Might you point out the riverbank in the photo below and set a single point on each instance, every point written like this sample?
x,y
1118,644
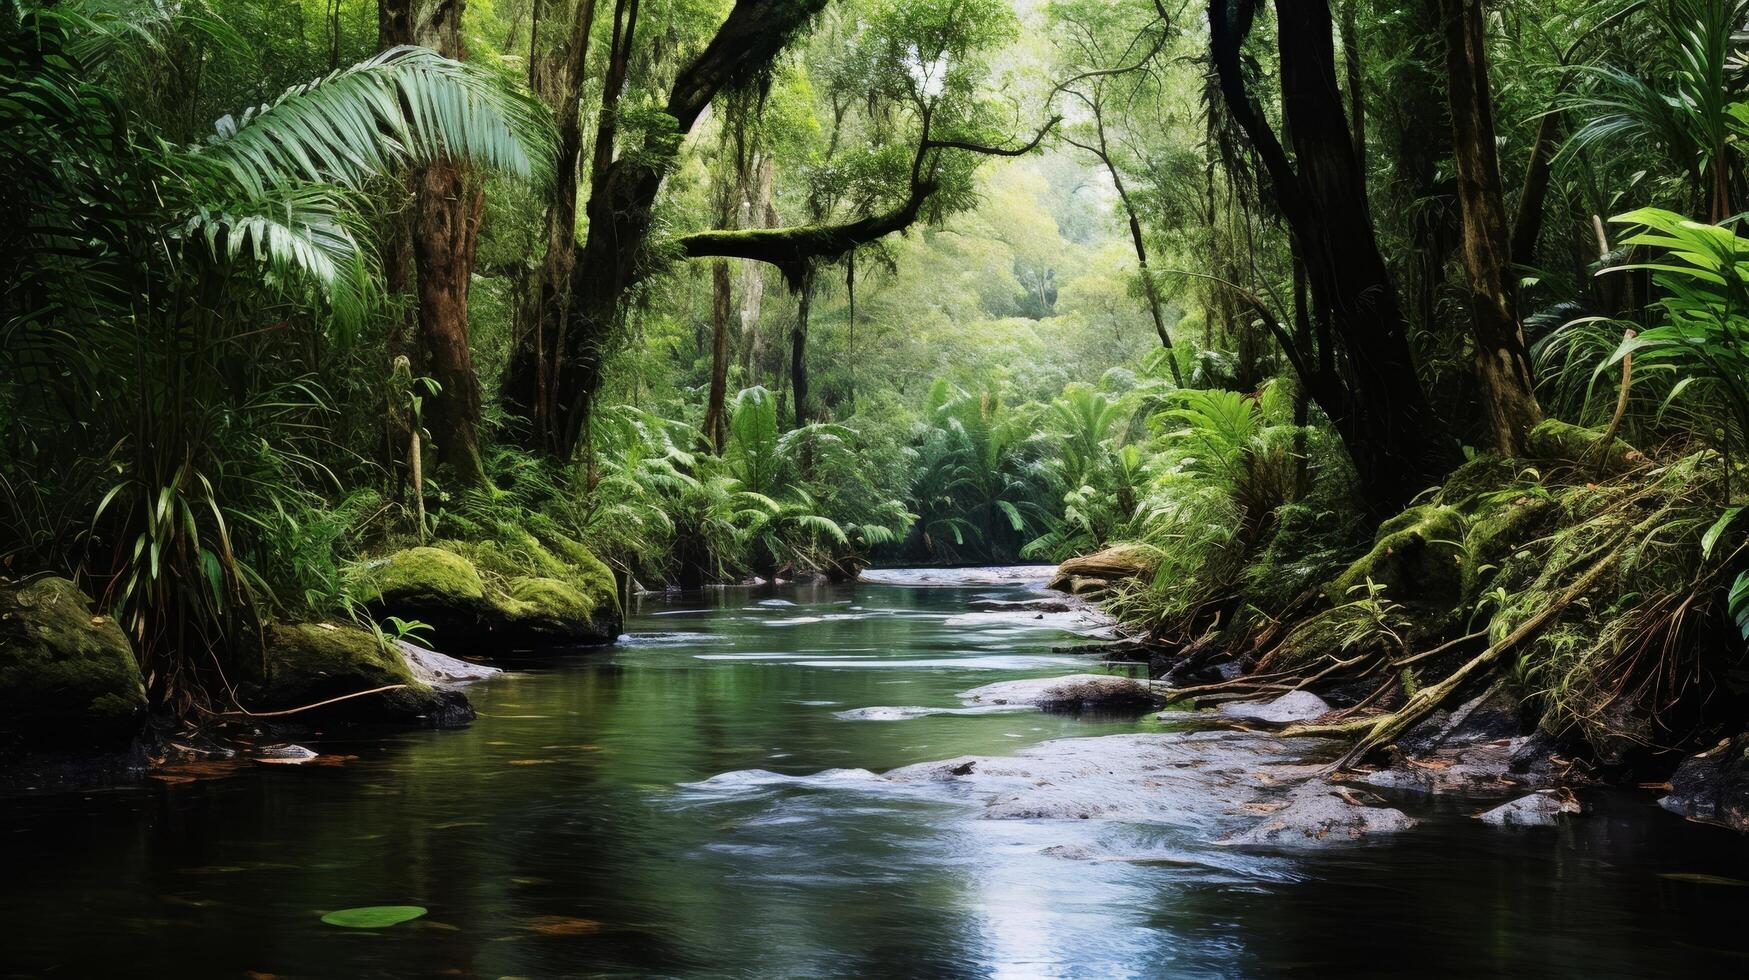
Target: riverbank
x,y
1565,612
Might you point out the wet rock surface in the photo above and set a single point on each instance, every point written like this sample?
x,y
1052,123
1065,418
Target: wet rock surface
x,y
68,678
309,663
1316,813
1066,693
959,577
1290,707
1713,786
1535,810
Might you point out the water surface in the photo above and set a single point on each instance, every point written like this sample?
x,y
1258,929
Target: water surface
x,y
695,802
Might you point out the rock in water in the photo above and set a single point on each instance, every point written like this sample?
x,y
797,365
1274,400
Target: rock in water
x,y
68,678
537,594
307,663
1535,810
285,755
1318,814
1095,574
1066,693
1287,709
439,669
1713,787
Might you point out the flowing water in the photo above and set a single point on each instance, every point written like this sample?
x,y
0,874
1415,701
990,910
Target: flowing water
x,y
693,802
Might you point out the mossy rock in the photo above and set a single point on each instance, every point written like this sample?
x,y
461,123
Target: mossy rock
x,y
1471,485
487,597
1415,556
307,663
1496,534
422,575
68,678
1564,442
536,608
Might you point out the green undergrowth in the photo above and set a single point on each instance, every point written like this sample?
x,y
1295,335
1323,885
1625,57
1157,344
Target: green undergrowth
x,y
1630,557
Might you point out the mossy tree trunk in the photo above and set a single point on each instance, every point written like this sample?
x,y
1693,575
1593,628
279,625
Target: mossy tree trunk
x,y
446,209
1502,364
621,207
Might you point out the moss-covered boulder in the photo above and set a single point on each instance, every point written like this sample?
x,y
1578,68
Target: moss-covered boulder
x,y
1563,442
68,678
1416,556
418,577
514,592
308,663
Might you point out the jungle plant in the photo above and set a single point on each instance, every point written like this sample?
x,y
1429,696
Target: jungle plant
x,y
155,284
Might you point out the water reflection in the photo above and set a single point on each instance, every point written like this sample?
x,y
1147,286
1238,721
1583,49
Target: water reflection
x,y
697,802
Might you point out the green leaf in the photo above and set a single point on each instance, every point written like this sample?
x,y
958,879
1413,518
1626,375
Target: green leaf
x,y
373,916
1711,538
1739,603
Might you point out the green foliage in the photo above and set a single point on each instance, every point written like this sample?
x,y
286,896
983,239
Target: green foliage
x,y
176,296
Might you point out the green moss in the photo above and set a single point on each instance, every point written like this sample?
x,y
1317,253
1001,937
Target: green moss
x,y
65,674
1415,556
546,598
1497,533
310,662
1559,441
589,574
1342,633
1470,485
421,575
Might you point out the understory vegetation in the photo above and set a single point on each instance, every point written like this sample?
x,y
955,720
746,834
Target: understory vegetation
x,y
1391,347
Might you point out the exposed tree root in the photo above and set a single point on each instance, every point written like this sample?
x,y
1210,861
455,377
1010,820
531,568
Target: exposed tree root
x,y
1381,730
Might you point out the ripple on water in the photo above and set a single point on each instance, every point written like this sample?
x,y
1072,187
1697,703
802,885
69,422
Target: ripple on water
x,y
1018,662
902,713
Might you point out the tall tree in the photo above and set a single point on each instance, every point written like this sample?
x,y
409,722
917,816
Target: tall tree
x,y
445,227
557,73
1098,69
624,183
1502,365
1372,393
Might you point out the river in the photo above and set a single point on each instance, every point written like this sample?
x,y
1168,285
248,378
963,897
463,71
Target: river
x,y
691,803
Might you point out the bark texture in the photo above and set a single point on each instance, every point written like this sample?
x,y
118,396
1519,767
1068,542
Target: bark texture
x,y
1502,364
1373,396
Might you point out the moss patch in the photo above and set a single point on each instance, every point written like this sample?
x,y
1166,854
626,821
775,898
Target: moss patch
x,y
545,598
65,674
1415,556
422,575
1565,442
310,662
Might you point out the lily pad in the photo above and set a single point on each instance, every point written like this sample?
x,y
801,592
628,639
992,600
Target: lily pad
x,y
373,916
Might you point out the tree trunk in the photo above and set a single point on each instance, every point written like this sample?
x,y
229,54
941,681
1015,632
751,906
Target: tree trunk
x,y
798,353
622,202
1502,365
753,273
1376,401
445,225
1356,79
1150,289
715,426
558,80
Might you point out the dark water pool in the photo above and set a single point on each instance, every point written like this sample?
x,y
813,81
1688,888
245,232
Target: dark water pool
x,y
571,831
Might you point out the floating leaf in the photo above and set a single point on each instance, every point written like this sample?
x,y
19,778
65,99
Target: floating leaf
x,y
373,916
